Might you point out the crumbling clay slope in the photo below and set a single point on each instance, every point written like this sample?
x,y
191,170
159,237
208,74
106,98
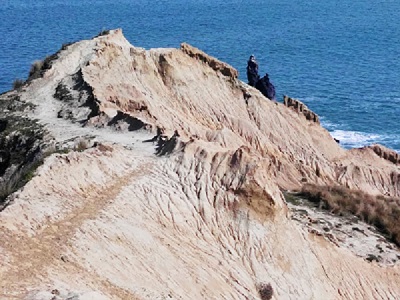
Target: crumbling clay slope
x,y
205,221
200,97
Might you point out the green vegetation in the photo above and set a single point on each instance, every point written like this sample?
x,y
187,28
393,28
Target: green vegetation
x,y
379,211
19,178
27,171
291,197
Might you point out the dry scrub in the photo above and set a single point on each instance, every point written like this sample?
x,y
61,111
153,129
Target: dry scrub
x,y
382,212
36,66
17,83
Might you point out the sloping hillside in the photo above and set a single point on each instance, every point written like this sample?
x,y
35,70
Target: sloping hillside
x,y
203,219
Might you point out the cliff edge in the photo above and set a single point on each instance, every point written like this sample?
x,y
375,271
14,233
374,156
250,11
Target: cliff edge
x,y
162,178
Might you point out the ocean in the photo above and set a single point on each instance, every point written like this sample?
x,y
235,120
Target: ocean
x,y
340,57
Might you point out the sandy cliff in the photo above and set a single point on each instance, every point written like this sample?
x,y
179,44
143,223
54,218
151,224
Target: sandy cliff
x,y
207,221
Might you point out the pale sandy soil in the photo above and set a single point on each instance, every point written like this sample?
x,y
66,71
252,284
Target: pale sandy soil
x,y
208,221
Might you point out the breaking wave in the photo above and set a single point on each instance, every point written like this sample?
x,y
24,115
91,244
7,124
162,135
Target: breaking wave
x,y
356,139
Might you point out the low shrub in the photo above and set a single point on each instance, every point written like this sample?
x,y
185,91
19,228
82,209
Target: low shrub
x,y
35,68
24,174
103,32
19,178
379,211
38,67
7,188
81,145
17,83
66,45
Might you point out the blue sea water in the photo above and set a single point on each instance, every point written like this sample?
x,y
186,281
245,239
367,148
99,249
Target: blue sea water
x,y
340,57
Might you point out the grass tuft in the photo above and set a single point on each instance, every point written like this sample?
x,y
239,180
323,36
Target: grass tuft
x,y
36,67
81,145
19,178
17,83
103,32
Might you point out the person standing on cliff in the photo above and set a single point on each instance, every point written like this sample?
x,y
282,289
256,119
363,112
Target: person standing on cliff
x,y
252,71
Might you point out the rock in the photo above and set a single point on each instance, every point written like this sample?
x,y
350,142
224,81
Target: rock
x,y
359,230
300,107
386,153
64,258
214,63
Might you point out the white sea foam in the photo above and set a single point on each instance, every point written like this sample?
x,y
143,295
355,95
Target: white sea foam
x,y
352,139
328,124
310,99
356,139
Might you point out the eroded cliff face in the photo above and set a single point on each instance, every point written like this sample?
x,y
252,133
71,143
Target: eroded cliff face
x,y
207,221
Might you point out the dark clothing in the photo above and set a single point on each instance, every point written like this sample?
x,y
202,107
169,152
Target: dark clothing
x,y
252,72
266,87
